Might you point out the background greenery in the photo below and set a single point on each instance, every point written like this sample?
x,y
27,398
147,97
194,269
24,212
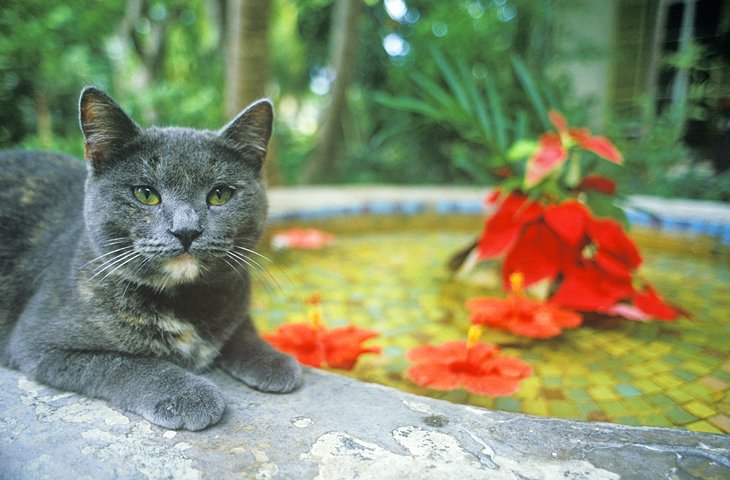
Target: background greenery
x,y
463,80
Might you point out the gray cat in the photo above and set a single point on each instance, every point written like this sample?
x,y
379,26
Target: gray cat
x,y
121,279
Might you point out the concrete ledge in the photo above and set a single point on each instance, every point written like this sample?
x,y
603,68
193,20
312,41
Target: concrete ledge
x,y
333,427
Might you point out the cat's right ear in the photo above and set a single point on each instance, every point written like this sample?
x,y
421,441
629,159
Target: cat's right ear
x,y
105,126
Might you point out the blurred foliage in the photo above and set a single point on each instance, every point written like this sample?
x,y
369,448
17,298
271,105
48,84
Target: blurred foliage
x,y
469,77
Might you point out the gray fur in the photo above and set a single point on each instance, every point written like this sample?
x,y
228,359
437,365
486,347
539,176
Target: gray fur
x,y
100,294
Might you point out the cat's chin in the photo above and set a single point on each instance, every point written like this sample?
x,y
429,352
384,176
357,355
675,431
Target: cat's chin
x,y
184,268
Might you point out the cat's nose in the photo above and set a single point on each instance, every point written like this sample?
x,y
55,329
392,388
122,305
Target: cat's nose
x,y
186,236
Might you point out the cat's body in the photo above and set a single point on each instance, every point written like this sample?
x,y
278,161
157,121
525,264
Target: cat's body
x,y
121,282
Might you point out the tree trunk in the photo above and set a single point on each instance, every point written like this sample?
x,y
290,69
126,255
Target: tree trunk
x,y
247,62
653,66
323,164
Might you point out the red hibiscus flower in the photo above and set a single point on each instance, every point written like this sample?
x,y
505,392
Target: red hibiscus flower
x,y
520,315
590,261
315,345
553,149
302,239
504,226
475,366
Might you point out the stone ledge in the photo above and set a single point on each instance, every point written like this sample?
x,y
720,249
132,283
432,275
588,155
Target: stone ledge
x,y
333,427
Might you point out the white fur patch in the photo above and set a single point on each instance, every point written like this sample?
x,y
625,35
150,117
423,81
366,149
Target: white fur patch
x,y
184,339
181,269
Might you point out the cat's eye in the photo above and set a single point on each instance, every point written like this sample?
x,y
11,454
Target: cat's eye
x,y
220,195
146,194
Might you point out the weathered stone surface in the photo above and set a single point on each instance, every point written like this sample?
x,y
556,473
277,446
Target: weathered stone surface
x,y
333,427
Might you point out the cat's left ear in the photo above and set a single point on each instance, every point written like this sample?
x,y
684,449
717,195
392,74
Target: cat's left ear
x,y
250,131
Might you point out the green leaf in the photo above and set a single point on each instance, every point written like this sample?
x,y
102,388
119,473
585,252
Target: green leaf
x,y
409,104
495,106
521,149
533,93
479,103
452,80
602,206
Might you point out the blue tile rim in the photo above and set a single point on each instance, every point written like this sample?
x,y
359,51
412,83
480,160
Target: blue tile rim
x,y
720,231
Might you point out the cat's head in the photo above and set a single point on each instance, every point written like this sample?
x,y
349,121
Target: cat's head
x,y
168,206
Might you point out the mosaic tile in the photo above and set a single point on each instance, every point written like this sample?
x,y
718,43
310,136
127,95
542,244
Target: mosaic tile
x,y
602,392
562,409
679,395
699,409
613,408
679,415
383,276
715,383
536,407
722,422
638,405
627,390
702,426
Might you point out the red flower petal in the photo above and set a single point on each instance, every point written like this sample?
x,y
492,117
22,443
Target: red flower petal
x,y
302,239
320,347
479,369
608,235
546,322
503,227
613,266
523,316
598,183
649,302
569,220
437,376
537,254
493,197
300,341
490,311
558,121
588,288
492,385
604,148
343,345
549,156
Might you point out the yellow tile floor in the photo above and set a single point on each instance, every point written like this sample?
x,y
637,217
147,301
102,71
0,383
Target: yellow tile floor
x,y
388,274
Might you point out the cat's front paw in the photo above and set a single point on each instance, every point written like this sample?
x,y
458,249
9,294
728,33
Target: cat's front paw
x,y
273,372
193,404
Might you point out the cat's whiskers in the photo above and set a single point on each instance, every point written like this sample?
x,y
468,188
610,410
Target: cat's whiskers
x,y
142,264
267,279
111,266
104,255
112,261
132,257
248,250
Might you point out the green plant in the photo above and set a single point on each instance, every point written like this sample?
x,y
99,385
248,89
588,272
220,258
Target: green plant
x,y
469,101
